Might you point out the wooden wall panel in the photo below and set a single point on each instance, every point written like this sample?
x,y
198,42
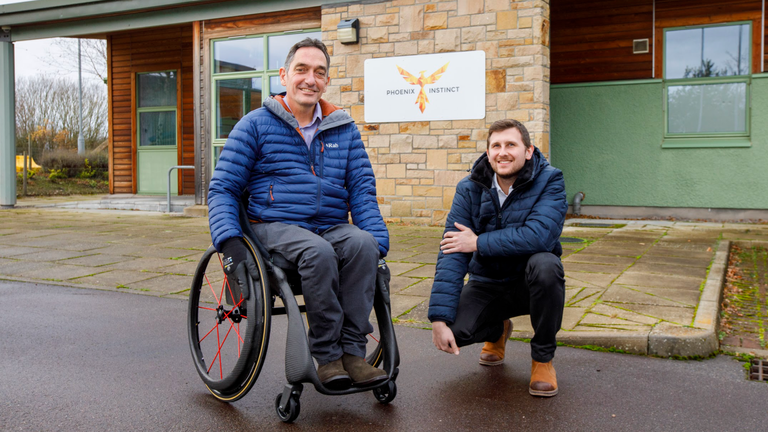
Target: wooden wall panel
x,y
591,41
144,51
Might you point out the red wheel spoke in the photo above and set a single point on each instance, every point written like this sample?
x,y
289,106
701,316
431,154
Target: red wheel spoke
x,y
218,300
209,332
370,335
218,354
206,308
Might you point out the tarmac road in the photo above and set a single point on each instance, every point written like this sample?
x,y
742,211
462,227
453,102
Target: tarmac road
x,y
80,359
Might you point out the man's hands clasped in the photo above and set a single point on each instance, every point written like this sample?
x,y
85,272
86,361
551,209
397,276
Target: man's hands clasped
x,y
463,240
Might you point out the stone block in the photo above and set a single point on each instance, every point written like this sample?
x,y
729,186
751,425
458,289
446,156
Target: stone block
x,y
401,208
491,48
425,142
449,178
473,34
414,128
469,7
526,22
355,64
425,191
379,141
417,158
411,18
496,5
447,141
436,21
395,171
506,20
385,187
358,113
404,190
377,35
328,22
437,159
447,40
426,47
387,20
668,340
495,81
388,159
459,21
406,48
483,19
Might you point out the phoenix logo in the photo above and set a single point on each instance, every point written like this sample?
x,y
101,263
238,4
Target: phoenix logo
x,y
421,81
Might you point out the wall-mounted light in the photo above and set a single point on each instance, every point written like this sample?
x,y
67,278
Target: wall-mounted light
x,y
347,31
5,33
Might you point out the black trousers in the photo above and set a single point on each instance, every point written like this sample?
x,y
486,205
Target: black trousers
x,y
540,292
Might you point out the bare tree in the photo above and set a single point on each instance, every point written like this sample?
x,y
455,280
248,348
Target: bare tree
x,y
93,52
47,111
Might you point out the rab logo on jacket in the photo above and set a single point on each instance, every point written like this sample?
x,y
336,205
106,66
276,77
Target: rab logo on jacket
x,y
331,145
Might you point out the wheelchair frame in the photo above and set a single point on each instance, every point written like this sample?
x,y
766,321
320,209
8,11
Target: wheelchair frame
x,y
299,364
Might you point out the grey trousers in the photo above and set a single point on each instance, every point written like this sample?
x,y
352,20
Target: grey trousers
x,y
338,276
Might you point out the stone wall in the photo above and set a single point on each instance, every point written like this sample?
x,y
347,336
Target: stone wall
x,y
418,165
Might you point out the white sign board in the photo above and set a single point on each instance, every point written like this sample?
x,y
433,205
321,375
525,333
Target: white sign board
x,y
449,86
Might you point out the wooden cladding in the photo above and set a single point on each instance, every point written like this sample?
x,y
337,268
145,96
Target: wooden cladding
x,y
592,40
144,51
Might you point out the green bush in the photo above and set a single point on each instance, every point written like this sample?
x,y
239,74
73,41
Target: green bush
x,y
57,174
70,164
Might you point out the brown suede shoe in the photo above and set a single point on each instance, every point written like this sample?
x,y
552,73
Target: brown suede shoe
x,y
543,379
333,376
360,371
493,353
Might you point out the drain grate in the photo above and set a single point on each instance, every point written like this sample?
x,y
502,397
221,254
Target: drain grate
x,y
759,370
571,240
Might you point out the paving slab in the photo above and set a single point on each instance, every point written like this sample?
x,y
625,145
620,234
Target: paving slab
x,y
97,260
676,270
398,283
676,261
600,259
584,296
400,255
52,255
610,310
637,295
636,278
678,315
423,258
163,284
398,268
426,270
593,268
600,280
114,278
423,288
571,317
403,303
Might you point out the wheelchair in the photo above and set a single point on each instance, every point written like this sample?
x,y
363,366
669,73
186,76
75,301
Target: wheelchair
x,y
229,332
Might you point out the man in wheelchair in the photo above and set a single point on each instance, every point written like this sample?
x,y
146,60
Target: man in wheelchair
x,y
303,163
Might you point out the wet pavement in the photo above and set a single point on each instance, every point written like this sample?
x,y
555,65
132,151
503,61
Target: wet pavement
x,y
80,359
647,287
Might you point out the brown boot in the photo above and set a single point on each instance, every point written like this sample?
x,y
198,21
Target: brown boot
x,y
493,353
333,375
543,379
360,371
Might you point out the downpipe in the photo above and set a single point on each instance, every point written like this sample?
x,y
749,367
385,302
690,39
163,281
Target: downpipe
x,y
577,203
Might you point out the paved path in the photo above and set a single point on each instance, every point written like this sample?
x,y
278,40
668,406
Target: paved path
x,y
640,286
87,360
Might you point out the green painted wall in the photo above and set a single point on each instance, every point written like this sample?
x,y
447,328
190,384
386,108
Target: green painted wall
x,y
607,140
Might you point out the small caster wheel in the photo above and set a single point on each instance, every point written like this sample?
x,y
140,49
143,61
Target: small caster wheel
x,y
292,409
386,393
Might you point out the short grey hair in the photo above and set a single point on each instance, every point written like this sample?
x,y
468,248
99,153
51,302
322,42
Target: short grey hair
x,y
308,43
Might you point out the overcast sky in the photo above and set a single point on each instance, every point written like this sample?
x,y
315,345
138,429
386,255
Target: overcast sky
x,y
29,55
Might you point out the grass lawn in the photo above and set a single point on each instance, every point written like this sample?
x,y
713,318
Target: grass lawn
x,y
40,185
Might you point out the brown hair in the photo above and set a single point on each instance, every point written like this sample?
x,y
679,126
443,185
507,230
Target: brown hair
x,y
311,43
502,125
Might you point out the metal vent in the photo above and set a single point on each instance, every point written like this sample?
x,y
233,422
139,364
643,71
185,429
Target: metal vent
x,y
639,46
759,370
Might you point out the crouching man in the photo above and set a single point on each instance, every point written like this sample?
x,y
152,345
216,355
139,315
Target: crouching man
x,y
503,229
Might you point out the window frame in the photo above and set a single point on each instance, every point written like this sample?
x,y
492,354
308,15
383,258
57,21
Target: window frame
x,y
167,108
707,139
265,74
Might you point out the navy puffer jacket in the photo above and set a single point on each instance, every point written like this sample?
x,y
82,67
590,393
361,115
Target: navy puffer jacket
x,y
315,188
530,221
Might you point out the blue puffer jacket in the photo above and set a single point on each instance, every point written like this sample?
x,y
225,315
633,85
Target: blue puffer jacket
x,y
530,221
314,188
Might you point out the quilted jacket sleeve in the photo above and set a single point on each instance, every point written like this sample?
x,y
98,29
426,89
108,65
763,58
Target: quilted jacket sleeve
x,y
229,179
541,230
451,268
361,185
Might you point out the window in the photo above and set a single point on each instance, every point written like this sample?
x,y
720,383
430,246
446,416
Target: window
x,y
246,72
156,108
706,85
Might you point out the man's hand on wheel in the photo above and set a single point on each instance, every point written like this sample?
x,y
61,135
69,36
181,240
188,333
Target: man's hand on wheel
x,y
442,337
238,262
